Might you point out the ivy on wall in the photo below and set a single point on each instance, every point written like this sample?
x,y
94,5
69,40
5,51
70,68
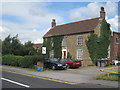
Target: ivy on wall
x,y
47,43
98,46
57,46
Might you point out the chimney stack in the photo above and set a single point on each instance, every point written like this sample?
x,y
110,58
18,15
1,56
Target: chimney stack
x,y
53,23
102,13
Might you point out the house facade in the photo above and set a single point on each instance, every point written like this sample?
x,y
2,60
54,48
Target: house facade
x,y
75,35
115,46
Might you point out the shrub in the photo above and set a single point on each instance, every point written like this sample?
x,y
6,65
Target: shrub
x,y
27,62
37,58
20,61
11,60
30,61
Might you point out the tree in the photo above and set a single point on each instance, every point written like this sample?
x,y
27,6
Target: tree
x,y
6,45
28,48
11,45
16,46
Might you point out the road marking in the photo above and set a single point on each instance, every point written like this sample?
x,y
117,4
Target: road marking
x,y
45,78
15,82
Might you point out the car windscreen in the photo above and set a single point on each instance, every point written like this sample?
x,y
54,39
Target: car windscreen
x,y
63,60
53,60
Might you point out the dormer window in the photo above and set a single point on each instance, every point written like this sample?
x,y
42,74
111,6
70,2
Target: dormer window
x,y
79,40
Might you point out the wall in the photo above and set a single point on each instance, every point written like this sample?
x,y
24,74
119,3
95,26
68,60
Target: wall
x,y
115,48
72,48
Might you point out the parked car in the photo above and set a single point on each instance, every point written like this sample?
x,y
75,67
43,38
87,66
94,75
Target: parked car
x,y
115,62
72,63
53,63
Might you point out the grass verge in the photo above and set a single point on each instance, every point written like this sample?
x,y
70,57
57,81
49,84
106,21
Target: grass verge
x,y
107,76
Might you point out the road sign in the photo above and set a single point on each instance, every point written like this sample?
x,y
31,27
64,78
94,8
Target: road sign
x,y
43,50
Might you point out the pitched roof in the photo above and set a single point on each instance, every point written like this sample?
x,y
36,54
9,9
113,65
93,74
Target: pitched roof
x,y
73,28
37,45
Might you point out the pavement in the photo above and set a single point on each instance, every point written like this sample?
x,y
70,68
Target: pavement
x,y
82,75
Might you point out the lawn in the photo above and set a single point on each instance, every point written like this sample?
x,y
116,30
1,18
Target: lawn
x,y
110,77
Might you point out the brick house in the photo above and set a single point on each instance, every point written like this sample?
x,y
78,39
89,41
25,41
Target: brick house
x,y
75,34
115,46
38,46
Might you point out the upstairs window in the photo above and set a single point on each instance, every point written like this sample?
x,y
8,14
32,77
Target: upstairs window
x,y
79,40
117,40
64,42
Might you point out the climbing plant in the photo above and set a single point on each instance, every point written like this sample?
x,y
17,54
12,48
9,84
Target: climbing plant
x,y
57,46
47,44
98,46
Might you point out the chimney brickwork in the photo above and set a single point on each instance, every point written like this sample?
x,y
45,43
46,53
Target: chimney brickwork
x,y
102,13
53,23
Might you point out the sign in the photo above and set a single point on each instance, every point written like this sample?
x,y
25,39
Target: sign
x,y
43,50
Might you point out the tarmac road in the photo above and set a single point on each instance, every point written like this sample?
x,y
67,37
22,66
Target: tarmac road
x,y
12,80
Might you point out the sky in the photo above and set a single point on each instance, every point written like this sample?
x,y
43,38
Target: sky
x,y
31,20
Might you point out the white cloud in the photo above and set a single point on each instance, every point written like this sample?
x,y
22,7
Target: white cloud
x,y
24,35
36,20
93,10
114,23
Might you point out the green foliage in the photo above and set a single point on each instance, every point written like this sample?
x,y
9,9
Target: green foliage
x,y
11,60
6,46
108,76
28,48
12,45
53,43
21,61
27,62
98,46
69,55
105,38
93,47
47,43
57,42
30,61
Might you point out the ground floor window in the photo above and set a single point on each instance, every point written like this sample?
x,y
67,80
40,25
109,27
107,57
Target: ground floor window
x,y
79,54
52,53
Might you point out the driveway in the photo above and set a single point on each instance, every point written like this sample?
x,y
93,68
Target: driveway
x,y
80,76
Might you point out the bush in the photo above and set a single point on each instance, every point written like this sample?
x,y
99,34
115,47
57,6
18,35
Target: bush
x,y
27,62
20,61
30,61
11,60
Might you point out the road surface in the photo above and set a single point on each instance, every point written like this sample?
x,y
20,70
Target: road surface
x,y
12,80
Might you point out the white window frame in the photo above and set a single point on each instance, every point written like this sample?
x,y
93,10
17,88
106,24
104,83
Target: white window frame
x,y
79,54
117,40
80,40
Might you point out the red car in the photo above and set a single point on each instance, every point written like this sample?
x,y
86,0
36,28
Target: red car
x,y
72,63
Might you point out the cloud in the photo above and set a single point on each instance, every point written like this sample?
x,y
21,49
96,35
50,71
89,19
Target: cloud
x,y
36,20
24,35
114,23
93,10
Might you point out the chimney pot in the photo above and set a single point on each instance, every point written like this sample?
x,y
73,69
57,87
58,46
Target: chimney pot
x,y
53,23
102,13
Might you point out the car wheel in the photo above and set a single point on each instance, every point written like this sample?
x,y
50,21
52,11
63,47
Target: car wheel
x,y
68,66
53,67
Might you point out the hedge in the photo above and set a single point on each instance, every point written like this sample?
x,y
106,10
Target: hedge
x,y
20,61
11,60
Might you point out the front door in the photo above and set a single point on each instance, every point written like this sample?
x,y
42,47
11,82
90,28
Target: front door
x,y
64,54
